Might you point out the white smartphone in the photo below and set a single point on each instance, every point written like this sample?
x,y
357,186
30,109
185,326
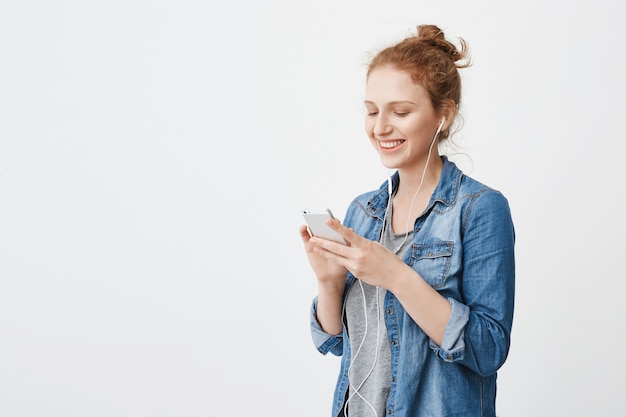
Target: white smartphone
x,y
316,220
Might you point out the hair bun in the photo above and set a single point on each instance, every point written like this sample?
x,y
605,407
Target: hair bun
x,y
428,32
434,36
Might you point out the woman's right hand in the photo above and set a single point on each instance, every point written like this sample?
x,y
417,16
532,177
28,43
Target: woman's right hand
x,y
327,271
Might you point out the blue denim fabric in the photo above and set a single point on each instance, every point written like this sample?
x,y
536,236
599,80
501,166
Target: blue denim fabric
x,y
463,246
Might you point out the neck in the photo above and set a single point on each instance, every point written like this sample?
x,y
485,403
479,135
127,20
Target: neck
x,y
411,178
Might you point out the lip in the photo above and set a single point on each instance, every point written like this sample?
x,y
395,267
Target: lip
x,y
390,145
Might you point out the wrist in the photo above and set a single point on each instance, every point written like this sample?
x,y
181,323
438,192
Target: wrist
x,y
400,280
331,287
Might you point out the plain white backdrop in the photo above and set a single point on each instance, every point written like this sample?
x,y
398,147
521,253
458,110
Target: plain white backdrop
x,y
155,155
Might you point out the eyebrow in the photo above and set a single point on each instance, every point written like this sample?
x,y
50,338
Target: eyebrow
x,y
392,102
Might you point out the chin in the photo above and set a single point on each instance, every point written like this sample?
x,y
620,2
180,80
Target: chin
x,y
388,162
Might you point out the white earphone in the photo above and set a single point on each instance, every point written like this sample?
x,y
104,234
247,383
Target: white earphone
x,y
443,120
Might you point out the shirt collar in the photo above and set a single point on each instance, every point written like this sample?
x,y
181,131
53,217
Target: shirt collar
x,y
446,191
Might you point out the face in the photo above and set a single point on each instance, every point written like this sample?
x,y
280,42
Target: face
x,y
401,121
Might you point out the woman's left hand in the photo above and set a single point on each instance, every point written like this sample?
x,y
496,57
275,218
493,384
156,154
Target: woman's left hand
x,y
367,260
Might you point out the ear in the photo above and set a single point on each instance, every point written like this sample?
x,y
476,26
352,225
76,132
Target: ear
x,y
448,110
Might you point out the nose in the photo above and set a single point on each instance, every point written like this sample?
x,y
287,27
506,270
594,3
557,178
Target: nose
x,y
381,125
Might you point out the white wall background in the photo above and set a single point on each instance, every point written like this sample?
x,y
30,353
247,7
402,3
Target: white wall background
x,y
154,156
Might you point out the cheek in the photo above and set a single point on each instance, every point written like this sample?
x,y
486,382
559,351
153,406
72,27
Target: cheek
x,y
369,126
414,130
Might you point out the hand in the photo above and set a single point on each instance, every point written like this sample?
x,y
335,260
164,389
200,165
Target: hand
x,y
325,269
367,260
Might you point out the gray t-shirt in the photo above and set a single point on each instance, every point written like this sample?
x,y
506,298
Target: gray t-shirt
x,y
370,364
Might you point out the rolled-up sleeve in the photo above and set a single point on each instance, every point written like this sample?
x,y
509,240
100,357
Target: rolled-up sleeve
x,y
453,344
324,342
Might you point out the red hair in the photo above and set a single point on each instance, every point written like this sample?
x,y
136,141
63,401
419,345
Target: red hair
x,y
432,62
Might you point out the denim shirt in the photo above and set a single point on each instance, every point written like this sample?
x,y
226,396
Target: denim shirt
x,y
463,246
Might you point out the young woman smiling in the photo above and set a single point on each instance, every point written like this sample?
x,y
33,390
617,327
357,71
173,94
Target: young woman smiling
x,y
419,304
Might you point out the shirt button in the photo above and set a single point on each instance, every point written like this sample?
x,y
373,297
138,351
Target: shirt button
x,y
449,357
388,311
390,411
393,342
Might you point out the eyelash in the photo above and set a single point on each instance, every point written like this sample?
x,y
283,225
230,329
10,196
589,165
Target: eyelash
x,y
399,114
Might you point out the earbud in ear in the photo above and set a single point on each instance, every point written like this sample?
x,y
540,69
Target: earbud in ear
x,y
443,120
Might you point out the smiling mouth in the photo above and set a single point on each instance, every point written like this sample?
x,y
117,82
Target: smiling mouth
x,y
390,144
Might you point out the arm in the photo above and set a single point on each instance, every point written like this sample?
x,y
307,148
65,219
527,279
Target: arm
x,y
327,308
474,331
373,263
428,309
479,328
329,305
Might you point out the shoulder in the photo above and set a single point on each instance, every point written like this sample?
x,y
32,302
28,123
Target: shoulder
x,y
457,190
485,210
481,194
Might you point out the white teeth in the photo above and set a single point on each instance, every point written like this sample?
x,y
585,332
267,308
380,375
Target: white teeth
x,y
390,144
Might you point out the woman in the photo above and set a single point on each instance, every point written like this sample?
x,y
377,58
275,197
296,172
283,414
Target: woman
x,y
419,303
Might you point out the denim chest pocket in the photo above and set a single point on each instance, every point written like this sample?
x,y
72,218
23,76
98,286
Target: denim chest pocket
x,y
432,261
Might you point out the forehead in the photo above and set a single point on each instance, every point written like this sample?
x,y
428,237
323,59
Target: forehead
x,y
388,84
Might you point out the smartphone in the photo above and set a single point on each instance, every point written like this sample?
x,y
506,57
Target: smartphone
x,y
316,220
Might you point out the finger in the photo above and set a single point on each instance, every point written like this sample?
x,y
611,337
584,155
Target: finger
x,y
330,246
304,233
346,232
327,253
